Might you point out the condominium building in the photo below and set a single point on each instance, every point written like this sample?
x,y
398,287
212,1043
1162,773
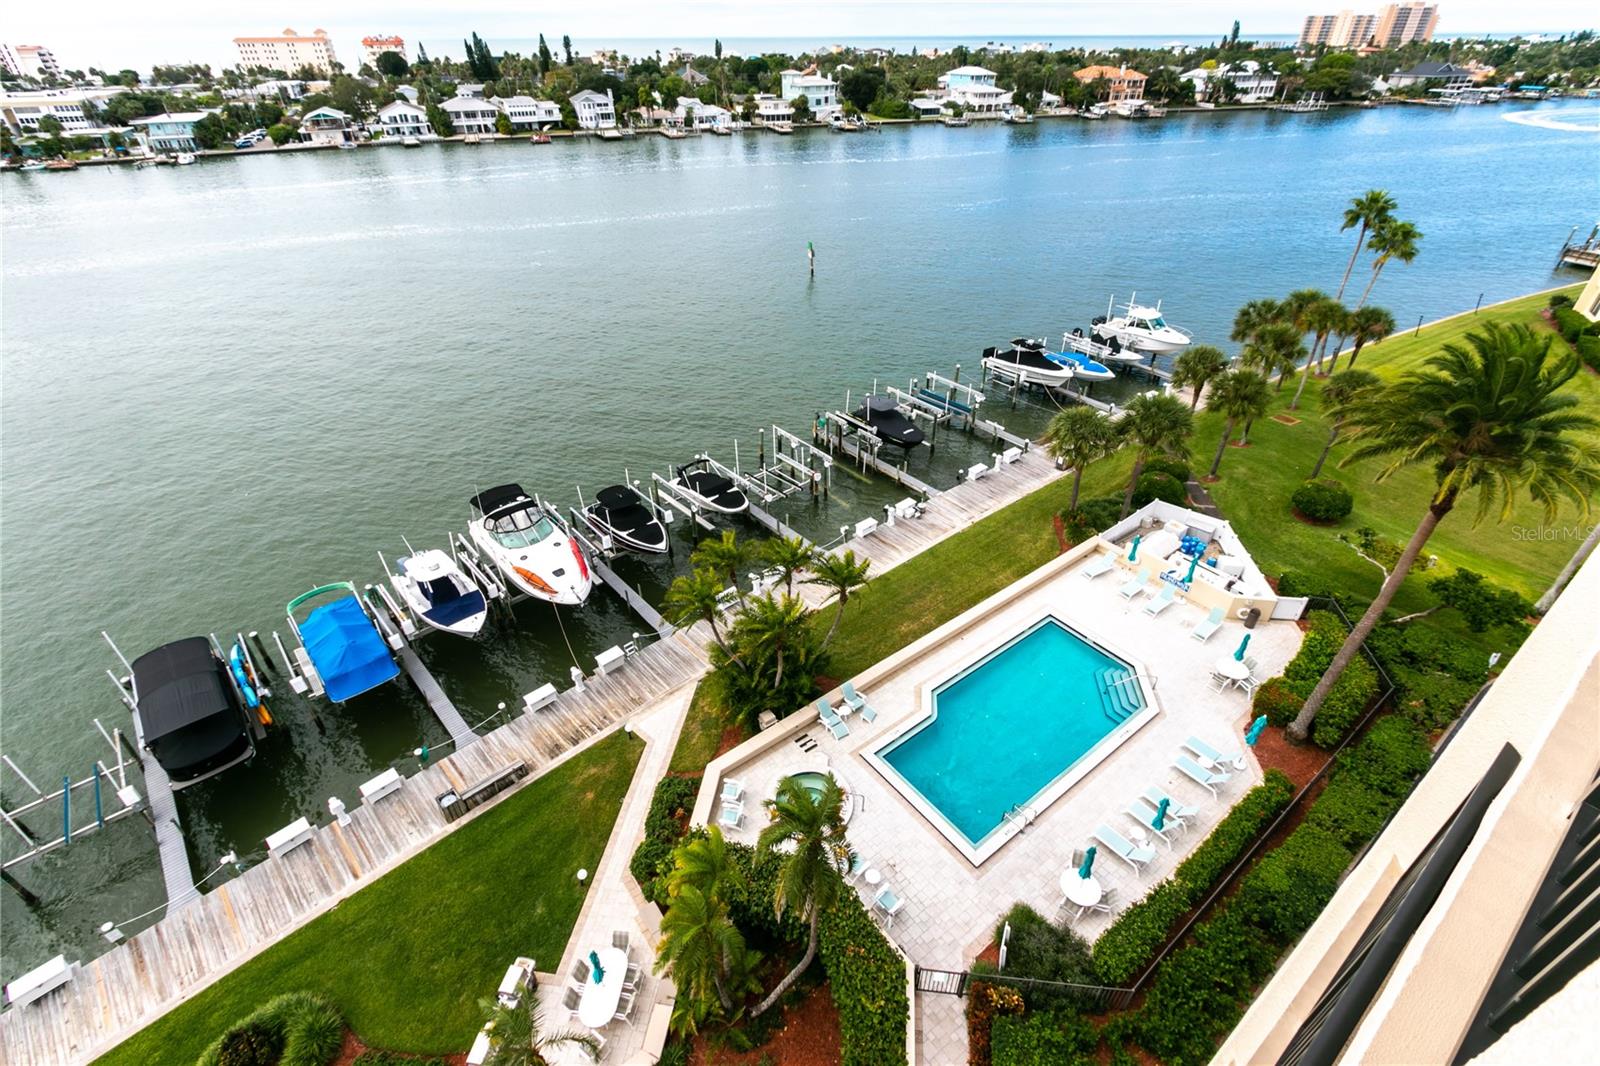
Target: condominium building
x,y
373,47
1400,24
77,110
287,52
1344,30
1121,82
29,61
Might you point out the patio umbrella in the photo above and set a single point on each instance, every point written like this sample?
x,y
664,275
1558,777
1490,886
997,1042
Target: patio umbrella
x,y
1160,820
1187,578
599,973
1257,727
1238,656
1088,862
1134,551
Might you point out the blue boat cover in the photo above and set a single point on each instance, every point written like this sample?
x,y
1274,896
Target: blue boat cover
x,y
449,612
346,649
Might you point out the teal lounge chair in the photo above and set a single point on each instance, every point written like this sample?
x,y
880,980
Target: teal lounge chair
x,y
1131,589
1161,601
1097,566
1206,751
1207,626
858,703
1210,780
1118,845
1146,818
834,723
1185,811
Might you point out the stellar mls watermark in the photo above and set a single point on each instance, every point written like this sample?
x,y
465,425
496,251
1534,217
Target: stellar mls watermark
x,y
1550,532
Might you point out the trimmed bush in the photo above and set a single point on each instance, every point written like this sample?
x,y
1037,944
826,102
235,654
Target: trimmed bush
x,y
868,977
1100,513
297,1029
1589,351
1571,324
1323,501
1351,812
1162,464
1430,699
1346,703
1288,888
663,828
1198,992
252,1044
1155,485
1043,1038
1275,699
986,1004
1040,949
1558,300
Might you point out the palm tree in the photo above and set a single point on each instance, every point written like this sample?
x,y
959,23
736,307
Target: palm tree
x,y
1297,307
1392,240
705,954
1368,211
1336,395
1237,394
1323,317
1077,437
1489,418
706,864
1195,367
1560,583
808,879
1277,348
696,598
1342,329
773,625
1155,424
1164,83
1254,316
519,1039
788,556
840,574
725,556
1368,324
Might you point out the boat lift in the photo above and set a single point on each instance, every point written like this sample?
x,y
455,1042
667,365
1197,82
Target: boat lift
x,y
846,433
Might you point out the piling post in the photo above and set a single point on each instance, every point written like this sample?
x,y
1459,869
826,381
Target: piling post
x,y
17,886
66,810
261,650
99,815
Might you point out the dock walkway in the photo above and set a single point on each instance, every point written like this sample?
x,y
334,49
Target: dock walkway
x,y
114,995
174,853
437,701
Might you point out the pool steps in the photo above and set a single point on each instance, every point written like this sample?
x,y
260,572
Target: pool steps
x,y
1118,698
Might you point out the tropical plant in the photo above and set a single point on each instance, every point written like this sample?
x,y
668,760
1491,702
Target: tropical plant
x,y
809,879
1366,212
696,598
1155,424
841,575
704,862
724,555
1253,317
1367,325
1392,240
1237,394
1196,366
1323,317
1336,395
518,1037
1275,349
772,626
1077,437
788,556
706,956
1492,418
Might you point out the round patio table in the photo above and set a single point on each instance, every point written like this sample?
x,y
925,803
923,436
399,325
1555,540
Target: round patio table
x,y
872,877
1231,668
599,1001
1081,892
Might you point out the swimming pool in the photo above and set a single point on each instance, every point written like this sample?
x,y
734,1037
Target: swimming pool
x,y
1017,727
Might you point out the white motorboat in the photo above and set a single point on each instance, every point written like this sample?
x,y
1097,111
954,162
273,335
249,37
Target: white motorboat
x,y
1084,357
621,515
1029,365
434,589
32,165
702,482
184,159
530,545
1141,328
411,142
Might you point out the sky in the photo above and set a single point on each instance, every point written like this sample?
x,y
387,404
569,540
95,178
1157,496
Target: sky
x,y
113,34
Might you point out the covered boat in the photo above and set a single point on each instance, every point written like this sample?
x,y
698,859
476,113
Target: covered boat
x,y
621,514
888,422
188,714
341,643
530,545
1082,355
708,487
434,589
1029,365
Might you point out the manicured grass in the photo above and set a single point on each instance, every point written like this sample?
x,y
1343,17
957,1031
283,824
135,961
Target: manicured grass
x,y
407,958
702,728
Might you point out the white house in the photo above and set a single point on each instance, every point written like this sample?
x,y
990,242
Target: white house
x,y
171,132
821,92
471,115
1253,86
595,111
472,89
404,119
706,116
526,113
75,109
325,125
975,90
770,109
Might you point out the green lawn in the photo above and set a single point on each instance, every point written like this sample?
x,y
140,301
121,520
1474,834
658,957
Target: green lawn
x,y
702,729
407,958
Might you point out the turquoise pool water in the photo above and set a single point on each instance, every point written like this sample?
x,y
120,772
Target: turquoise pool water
x,y
1007,727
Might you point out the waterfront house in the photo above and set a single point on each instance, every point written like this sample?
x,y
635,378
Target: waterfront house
x,y
820,91
692,77
171,132
325,126
1252,84
471,115
595,111
1448,75
1049,100
1122,83
404,119
527,113
472,89
283,90
704,116
770,109
655,116
975,90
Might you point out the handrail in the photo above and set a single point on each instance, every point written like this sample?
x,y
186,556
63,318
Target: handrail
x,y
318,591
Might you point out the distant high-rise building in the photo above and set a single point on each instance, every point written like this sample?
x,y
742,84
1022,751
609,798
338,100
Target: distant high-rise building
x,y
1344,30
1400,24
29,61
288,52
373,47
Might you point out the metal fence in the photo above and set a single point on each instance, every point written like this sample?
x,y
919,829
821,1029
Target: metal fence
x,y
1096,999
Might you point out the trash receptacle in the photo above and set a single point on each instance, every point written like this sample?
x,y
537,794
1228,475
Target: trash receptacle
x,y
1251,617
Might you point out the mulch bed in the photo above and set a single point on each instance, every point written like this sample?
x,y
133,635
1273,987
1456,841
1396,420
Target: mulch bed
x,y
353,1047
1299,761
809,1037
1294,512
1288,420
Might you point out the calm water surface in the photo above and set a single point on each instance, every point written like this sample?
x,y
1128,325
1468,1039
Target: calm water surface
x,y
226,383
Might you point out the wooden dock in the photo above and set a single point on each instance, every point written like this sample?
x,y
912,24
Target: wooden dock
x,y
771,522
174,853
863,456
113,996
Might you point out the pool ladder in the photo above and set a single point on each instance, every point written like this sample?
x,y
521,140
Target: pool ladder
x,y
1021,815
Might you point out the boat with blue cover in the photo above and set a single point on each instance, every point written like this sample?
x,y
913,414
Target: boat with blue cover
x,y
1084,356
340,645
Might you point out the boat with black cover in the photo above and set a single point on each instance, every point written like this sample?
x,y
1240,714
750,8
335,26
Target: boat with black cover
x,y
188,713
627,518
705,485
890,424
1027,364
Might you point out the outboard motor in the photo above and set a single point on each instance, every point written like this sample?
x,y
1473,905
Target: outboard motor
x,y
1097,320
1077,331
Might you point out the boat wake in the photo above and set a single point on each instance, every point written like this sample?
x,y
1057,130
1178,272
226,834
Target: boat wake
x,y
1585,121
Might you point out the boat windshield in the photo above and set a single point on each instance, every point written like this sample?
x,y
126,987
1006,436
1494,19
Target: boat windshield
x,y
1157,323
521,529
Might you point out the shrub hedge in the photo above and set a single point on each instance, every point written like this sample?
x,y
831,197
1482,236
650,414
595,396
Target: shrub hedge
x,y
390,1058
1045,951
1275,699
1288,888
299,1028
663,828
869,985
1128,944
987,1004
1323,501
1571,324
1175,468
1157,485
1043,1038
1346,702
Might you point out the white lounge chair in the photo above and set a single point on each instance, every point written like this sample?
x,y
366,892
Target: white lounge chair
x,y
831,719
732,791
1206,751
1146,820
1160,601
1208,625
731,816
1118,845
1134,585
858,703
1183,811
1210,780
1097,566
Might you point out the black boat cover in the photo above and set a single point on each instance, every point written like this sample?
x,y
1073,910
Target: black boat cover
x,y
1029,357
710,485
491,500
191,715
618,509
883,415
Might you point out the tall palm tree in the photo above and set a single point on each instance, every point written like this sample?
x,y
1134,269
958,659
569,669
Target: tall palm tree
x,y
808,879
1367,325
841,575
775,626
519,1038
1077,437
1366,212
1277,348
705,953
1336,396
695,598
1237,394
1323,317
1155,424
788,556
1392,240
1560,583
1254,316
724,556
1196,366
1297,307
1164,83
1342,329
1491,418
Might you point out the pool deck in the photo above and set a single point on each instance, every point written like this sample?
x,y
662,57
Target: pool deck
x,y
952,907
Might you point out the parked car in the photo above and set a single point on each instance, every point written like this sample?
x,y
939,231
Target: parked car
x,y
245,142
